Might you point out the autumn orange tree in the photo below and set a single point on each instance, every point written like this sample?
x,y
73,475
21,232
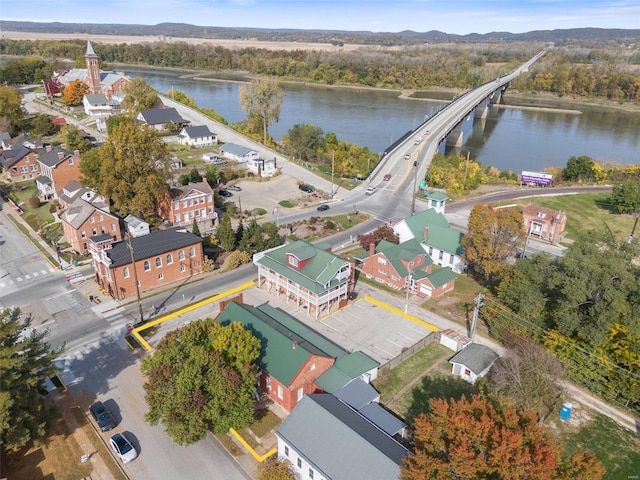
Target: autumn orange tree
x,y
74,92
493,236
470,439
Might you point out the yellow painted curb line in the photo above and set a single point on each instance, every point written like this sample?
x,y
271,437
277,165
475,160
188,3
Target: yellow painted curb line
x,y
260,458
136,331
401,313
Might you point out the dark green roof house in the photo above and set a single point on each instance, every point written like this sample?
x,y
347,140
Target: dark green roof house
x,y
293,355
307,275
436,236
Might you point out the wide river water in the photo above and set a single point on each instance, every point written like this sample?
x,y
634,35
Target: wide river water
x,y
510,138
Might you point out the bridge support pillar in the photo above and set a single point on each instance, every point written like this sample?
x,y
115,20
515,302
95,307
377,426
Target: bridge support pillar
x,y
482,110
455,137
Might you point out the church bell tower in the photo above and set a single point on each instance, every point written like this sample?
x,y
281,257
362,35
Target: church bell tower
x,y
93,69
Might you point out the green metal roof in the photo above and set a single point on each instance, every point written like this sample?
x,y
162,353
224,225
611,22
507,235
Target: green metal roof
x,y
355,364
440,234
405,251
428,218
441,276
438,195
316,276
333,380
286,343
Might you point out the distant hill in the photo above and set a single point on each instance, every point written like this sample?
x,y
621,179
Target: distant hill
x,y
407,37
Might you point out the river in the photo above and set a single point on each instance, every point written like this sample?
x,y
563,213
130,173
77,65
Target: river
x,y
510,138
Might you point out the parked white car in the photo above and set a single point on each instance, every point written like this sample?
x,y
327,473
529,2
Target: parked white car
x,y
371,191
123,448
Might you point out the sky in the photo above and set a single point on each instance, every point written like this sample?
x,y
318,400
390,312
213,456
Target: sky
x,y
449,16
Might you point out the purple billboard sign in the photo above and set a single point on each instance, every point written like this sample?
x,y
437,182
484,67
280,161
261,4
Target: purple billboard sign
x,y
537,178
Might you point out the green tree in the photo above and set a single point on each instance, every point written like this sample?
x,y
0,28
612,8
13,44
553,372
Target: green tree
x,y
304,141
11,110
625,197
200,378
275,469
580,169
270,230
213,175
226,235
73,139
74,93
26,359
472,439
262,101
41,125
139,96
195,229
134,168
194,176
492,238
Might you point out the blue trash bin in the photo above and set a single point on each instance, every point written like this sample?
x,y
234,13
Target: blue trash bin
x,y
565,411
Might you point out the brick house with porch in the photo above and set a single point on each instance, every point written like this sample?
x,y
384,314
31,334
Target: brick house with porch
x,y
82,220
159,258
184,204
292,355
406,264
307,275
543,222
20,163
58,166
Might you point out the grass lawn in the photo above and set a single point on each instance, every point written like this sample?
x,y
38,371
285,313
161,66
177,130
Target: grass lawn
x,y
586,212
616,447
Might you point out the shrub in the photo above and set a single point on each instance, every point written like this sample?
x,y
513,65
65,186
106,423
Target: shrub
x,y
259,211
34,202
329,225
238,258
52,208
285,204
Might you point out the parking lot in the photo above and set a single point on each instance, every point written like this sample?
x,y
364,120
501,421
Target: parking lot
x,y
374,323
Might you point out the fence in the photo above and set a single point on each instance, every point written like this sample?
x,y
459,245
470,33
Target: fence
x,y
407,352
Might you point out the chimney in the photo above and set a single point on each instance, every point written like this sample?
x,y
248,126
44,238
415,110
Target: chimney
x,y
76,153
63,146
425,235
48,148
372,249
294,344
60,155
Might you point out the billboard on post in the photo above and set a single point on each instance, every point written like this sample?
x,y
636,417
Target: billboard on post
x,y
538,178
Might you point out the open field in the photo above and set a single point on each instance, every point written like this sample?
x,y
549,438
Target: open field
x,y
229,44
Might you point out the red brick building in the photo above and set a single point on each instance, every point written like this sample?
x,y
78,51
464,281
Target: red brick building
x,y
191,202
406,264
20,163
161,257
82,220
58,167
544,222
293,356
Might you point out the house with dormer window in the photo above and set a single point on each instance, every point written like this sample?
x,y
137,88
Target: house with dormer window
x,y
198,136
543,222
82,220
58,166
406,265
20,163
308,276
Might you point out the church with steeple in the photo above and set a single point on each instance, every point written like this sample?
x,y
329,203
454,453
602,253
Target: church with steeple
x,y
108,83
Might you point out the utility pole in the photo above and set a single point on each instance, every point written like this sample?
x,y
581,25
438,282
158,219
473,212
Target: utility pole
x,y
413,193
135,276
476,311
333,158
633,230
406,300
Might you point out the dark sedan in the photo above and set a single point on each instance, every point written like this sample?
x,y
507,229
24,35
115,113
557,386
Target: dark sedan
x,y
225,193
323,207
305,188
102,416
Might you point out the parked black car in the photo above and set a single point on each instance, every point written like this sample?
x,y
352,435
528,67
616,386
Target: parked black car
x,y
225,193
102,416
323,207
305,188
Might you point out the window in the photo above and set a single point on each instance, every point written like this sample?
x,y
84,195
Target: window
x,y
101,218
300,394
192,252
34,168
102,229
310,472
70,160
177,218
113,227
147,266
94,231
191,202
268,383
286,451
441,255
160,276
313,367
299,462
293,261
125,272
176,205
24,169
382,260
158,262
181,255
450,259
430,250
183,268
169,259
280,392
83,234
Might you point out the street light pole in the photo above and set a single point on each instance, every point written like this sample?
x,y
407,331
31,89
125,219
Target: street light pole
x,y
413,193
406,300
